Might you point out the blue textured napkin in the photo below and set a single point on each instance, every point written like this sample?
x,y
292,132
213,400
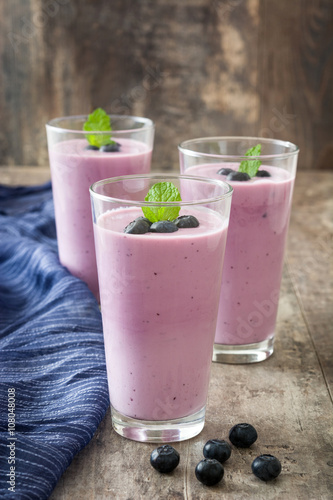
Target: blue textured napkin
x,y
53,385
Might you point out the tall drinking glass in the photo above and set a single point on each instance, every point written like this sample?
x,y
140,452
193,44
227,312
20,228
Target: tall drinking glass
x,y
256,243
159,300
74,167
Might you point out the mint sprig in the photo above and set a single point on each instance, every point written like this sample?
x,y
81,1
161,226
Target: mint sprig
x,y
159,192
251,167
98,121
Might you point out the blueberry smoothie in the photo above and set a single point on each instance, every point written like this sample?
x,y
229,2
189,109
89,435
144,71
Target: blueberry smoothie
x,y
74,168
254,254
159,300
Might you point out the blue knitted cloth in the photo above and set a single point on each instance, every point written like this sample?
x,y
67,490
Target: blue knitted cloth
x,y
53,385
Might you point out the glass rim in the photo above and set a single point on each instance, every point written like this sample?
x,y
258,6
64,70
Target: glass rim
x,y
161,176
52,124
183,147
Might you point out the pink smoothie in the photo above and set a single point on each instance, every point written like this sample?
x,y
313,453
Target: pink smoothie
x,y
159,299
253,262
73,170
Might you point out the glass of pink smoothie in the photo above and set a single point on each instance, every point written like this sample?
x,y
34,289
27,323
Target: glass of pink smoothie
x,y
159,300
74,168
256,239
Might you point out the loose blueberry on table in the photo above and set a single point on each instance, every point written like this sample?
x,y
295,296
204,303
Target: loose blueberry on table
x,y
243,435
209,471
218,449
164,458
266,467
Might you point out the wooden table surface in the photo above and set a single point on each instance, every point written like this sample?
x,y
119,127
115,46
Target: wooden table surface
x,y
288,398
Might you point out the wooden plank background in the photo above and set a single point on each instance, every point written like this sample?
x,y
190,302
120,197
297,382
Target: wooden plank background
x,y
196,67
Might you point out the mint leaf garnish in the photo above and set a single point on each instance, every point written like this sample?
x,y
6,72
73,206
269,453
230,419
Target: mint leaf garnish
x,y
98,121
162,191
251,167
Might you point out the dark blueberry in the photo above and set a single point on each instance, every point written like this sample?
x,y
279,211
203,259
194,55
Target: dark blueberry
x,y
225,171
110,148
185,221
144,220
141,225
263,173
266,467
238,176
164,458
218,449
243,435
163,226
209,471
90,146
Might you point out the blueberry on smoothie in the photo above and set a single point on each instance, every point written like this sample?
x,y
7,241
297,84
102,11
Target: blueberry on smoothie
x,y
243,435
110,148
238,176
164,458
163,226
92,147
263,173
141,225
225,171
266,467
209,471
185,221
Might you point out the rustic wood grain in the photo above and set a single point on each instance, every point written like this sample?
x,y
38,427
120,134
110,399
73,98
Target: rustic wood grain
x,y
24,175
310,262
288,397
296,65
196,67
